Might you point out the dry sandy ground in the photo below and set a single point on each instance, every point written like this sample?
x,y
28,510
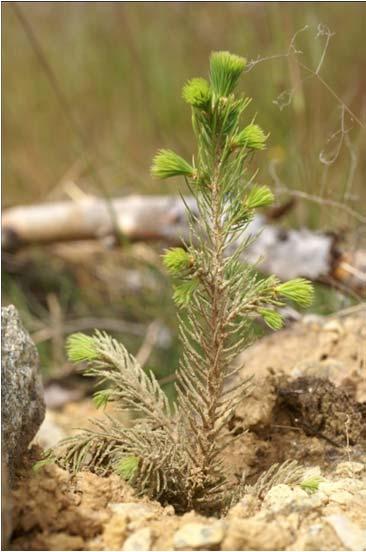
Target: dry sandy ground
x,y
309,405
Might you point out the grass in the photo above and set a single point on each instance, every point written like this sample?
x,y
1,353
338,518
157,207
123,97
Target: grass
x,y
110,59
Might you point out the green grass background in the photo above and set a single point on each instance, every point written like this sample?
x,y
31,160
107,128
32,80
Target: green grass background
x,y
121,67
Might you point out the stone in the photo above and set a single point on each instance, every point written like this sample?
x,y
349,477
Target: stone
x,y
140,540
23,405
114,533
258,533
199,536
6,507
334,326
318,536
351,536
49,434
349,469
244,508
64,541
330,368
132,511
341,497
281,495
347,484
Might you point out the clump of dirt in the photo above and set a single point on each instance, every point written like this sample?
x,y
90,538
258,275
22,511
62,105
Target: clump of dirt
x,y
305,407
321,409
330,353
331,348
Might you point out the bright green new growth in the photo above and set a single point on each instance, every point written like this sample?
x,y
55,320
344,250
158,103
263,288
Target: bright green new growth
x,y
225,71
259,196
178,261
127,467
168,164
81,348
298,290
311,484
251,137
272,318
176,453
311,480
197,93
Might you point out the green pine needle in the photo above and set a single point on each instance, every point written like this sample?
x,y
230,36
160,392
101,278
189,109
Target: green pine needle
x,y
127,467
197,93
183,292
225,70
311,483
259,196
101,398
167,163
272,318
47,459
251,137
81,348
298,290
177,261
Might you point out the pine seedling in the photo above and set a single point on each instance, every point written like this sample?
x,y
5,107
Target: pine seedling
x,y
176,453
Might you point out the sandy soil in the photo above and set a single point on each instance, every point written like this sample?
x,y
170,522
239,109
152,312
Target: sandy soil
x,y
308,405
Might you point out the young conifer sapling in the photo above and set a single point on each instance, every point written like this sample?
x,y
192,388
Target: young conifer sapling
x,y
176,453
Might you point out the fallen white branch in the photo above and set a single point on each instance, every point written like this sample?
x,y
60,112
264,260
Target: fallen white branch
x,y
286,253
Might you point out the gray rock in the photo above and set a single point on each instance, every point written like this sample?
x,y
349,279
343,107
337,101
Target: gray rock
x,y
199,536
23,407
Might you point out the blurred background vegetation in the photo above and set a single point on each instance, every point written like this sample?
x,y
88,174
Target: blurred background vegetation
x,y
120,68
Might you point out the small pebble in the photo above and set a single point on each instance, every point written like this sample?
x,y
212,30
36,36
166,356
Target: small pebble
x,y
199,536
351,536
341,497
333,326
140,540
346,484
347,469
132,510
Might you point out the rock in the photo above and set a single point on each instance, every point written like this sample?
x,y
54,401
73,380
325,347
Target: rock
x,y
341,497
257,533
352,536
56,396
244,508
330,368
318,536
63,541
21,390
6,507
132,510
349,485
335,326
135,513
199,536
281,495
140,540
114,533
349,469
49,434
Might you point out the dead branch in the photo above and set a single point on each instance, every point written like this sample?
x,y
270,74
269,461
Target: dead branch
x,y
286,253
